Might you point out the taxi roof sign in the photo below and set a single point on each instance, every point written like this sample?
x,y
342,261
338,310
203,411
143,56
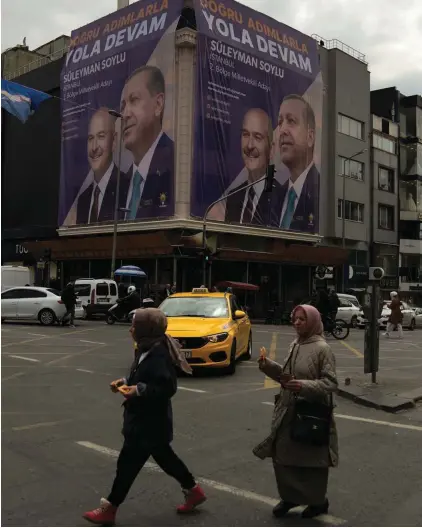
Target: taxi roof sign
x,y
200,290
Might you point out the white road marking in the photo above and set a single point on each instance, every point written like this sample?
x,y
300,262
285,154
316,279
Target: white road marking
x,y
85,370
220,486
25,358
37,335
380,422
36,425
12,376
69,356
91,342
191,390
370,420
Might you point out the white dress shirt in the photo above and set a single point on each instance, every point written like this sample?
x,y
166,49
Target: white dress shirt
x,y
258,188
102,185
298,186
143,169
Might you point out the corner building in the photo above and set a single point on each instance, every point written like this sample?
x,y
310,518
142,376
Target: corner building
x,y
281,262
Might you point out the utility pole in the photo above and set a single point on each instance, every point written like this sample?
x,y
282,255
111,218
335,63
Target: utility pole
x,y
268,178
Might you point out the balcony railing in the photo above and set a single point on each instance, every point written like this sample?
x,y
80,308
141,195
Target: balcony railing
x,y
338,44
37,63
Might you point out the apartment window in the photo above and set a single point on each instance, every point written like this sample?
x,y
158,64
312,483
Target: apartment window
x,y
385,179
386,217
383,143
351,168
350,127
353,210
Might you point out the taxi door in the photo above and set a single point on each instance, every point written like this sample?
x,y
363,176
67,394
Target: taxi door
x,y
242,328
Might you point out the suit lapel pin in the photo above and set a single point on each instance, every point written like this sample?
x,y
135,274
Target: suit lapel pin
x,y
163,198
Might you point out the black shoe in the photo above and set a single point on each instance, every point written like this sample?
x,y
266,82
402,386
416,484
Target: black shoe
x,y
313,511
282,508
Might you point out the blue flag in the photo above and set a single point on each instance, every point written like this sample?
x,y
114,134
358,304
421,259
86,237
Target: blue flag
x,y
20,100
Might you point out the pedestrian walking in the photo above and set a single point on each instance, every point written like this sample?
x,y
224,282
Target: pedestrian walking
x,y
148,418
69,299
396,316
303,447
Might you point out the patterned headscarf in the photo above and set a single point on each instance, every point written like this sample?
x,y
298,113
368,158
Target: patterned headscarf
x,y
149,327
314,324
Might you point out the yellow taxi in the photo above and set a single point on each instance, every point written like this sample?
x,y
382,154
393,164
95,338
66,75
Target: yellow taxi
x,y
210,327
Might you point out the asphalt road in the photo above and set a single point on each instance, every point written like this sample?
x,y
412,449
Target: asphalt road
x,y
61,434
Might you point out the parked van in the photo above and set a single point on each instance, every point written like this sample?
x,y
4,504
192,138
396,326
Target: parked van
x,y
13,276
96,295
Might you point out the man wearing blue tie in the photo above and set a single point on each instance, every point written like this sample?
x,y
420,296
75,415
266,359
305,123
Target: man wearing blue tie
x,y
151,177
296,123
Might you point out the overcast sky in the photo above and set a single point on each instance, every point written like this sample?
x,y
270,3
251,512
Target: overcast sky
x,y
388,32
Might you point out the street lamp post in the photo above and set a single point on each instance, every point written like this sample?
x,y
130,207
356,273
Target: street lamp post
x,y
117,195
343,206
204,221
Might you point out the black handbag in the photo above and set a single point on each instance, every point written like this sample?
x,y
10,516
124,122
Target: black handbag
x,y
311,420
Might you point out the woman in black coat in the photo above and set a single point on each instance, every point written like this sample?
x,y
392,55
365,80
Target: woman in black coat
x,y
148,417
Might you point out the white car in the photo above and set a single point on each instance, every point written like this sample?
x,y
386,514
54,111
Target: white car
x,y
32,302
348,310
418,317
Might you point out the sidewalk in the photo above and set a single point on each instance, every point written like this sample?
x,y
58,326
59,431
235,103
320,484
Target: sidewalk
x,y
395,390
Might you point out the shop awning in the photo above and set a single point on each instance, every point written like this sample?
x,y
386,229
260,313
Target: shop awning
x,y
244,286
100,247
291,253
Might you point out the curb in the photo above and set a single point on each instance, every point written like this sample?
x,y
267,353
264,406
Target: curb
x,y
384,402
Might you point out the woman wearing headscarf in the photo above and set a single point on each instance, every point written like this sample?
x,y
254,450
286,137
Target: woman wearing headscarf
x,y
396,315
147,418
307,375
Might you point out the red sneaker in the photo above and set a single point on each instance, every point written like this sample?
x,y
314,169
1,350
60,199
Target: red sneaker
x,y
193,498
105,515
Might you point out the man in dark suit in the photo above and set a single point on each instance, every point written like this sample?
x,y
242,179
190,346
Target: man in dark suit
x,y
253,205
150,190
296,124
96,200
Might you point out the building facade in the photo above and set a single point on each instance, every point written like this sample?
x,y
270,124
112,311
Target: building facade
x,y
406,111
281,263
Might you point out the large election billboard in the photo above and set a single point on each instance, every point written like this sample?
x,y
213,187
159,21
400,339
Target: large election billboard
x,y
125,63
258,102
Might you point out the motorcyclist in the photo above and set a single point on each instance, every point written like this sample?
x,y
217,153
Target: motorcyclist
x,y
323,306
132,301
334,304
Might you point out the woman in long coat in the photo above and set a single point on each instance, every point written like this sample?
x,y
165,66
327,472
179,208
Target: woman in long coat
x,y
396,315
148,416
309,372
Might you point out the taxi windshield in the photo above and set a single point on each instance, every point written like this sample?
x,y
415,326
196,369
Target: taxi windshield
x,y
195,307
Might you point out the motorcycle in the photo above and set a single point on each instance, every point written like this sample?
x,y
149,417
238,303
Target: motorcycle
x,y
117,313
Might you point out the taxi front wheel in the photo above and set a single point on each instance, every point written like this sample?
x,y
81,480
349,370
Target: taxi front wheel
x,y
231,369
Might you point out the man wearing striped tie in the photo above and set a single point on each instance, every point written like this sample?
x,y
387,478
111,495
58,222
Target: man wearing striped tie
x,y
150,191
296,124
